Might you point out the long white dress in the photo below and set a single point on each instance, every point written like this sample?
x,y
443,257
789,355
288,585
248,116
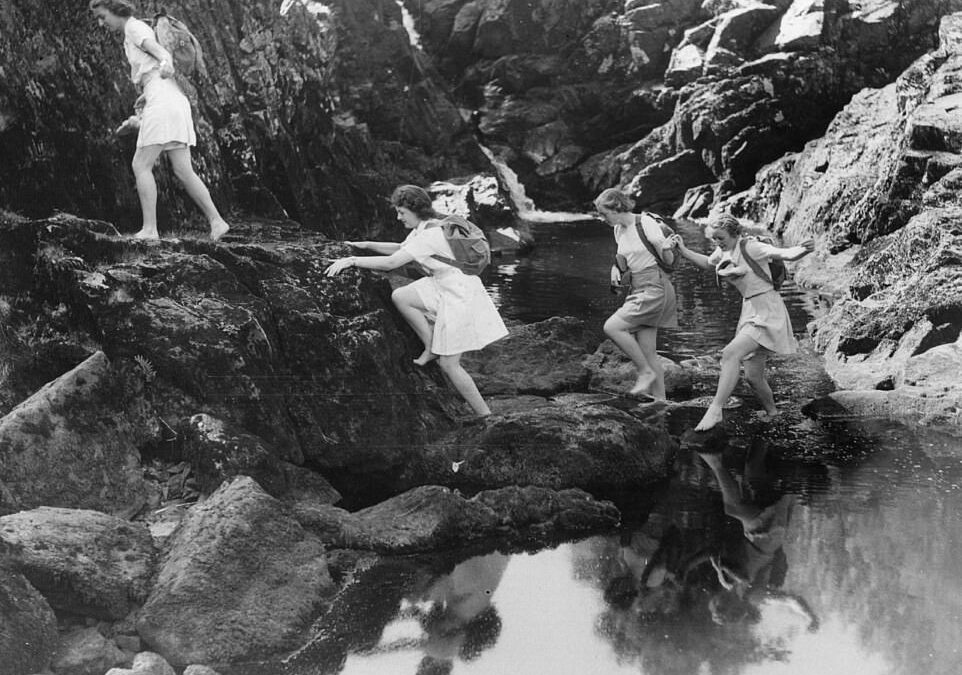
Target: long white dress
x,y
464,316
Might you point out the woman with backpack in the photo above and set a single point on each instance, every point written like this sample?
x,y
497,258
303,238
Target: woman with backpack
x,y
650,304
764,326
449,310
165,126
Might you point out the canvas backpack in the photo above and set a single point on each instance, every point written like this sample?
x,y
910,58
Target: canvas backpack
x,y
776,273
174,36
470,247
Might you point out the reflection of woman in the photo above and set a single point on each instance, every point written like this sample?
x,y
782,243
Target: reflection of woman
x,y
462,620
449,310
752,574
650,304
166,125
764,326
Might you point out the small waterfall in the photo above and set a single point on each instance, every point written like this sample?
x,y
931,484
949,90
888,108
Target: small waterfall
x,y
408,22
318,9
526,208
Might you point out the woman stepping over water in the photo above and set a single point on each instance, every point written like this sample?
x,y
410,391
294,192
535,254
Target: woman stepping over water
x,y
650,304
166,124
449,310
764,326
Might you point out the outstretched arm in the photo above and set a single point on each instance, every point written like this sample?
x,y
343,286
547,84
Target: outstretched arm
x,y
699,259
379,247
381,263
794,252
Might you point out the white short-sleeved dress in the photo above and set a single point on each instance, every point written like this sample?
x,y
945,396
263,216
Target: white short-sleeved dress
x,y
465,319
764,316
651,301
166,118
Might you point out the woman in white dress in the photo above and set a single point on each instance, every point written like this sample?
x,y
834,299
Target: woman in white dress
x,y
764,326
449,310
166,125
650,303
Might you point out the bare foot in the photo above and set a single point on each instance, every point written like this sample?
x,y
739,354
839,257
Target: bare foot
x,y
712,418
426,357
766,415
643,384
147,233
218,229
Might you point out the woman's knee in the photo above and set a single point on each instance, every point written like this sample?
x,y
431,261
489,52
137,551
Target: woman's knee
x,y
450,364
141,164
400,297
613,327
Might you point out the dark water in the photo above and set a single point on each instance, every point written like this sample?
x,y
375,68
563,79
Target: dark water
x,y
841,541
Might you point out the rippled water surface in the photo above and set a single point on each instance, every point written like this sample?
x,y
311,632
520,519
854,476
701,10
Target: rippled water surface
x,y
810,548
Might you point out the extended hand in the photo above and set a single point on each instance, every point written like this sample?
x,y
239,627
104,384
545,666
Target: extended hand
x,y
338,266
676,240
808,245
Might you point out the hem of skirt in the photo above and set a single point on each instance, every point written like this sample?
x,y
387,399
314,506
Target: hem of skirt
x,y
755,332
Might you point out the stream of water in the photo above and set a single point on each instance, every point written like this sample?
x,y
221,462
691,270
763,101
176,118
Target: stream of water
x,y
815,548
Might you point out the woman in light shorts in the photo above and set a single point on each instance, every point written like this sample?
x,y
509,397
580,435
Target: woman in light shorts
x,y
166,125
650,304
764,326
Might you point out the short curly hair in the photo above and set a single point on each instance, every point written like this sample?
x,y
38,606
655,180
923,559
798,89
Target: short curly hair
x,y
116,7
728,223
614,199
415,199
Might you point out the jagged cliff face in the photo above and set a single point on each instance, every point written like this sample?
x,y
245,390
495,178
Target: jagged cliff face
x,y
311,112
663,97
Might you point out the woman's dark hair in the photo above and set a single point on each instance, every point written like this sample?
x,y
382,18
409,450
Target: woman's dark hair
x,y
615,199
415,199
116,7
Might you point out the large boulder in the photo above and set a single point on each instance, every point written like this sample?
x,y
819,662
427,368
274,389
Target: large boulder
x,y
242,580
569,444
435,518
84,562
28,626
612,371
542,358
217,452
74,443
85,651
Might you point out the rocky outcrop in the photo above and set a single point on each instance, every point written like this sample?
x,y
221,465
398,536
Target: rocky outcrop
x,y
251,333
435,518
885,210
579,110
313,114
594,447
242,580
74,443
84,562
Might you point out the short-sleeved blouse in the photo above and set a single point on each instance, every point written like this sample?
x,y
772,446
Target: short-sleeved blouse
x,y
750,284
141,63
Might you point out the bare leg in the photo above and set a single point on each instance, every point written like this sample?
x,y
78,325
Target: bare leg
x,y
740,347
143,166
619,332
735,506
755,374
646,338
451,365
408,302
184,170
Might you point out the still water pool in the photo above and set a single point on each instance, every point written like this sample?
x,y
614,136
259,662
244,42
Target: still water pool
x,y
806,548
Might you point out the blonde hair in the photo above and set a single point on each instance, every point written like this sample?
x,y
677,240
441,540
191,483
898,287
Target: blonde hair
x,y
614,199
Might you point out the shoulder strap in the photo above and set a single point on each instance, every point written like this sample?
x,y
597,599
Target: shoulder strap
x,y
651,248
756,268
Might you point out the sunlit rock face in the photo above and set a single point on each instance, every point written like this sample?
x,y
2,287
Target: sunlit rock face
x,y
880,190
660,97
315,111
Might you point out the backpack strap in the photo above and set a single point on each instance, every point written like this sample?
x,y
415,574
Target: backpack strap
x,y
651,248
756,268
